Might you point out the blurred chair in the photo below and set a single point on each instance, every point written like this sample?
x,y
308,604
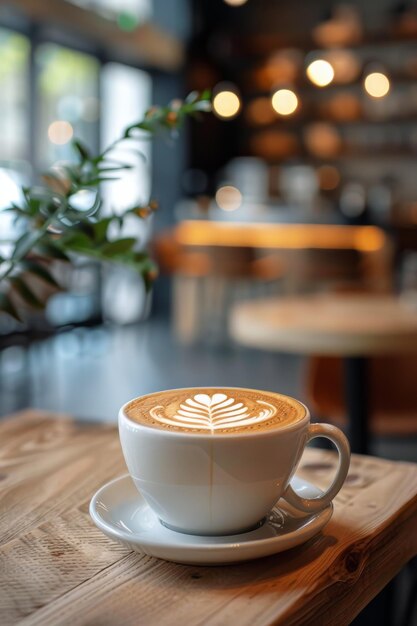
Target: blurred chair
x,y
392,393
312,270
208,280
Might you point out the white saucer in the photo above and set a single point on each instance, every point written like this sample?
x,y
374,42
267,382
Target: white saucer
x,y
122,514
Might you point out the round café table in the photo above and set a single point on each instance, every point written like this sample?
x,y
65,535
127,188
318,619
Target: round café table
x,y
352,326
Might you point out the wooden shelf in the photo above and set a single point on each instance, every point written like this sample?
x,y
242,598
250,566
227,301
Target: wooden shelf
x,y
306,157
304,87
297,120
259,46
145,46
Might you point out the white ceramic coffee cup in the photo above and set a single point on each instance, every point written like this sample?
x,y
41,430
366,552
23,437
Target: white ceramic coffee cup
x,y
219,484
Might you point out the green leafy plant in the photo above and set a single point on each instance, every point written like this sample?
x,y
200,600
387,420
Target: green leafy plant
x,y
55,228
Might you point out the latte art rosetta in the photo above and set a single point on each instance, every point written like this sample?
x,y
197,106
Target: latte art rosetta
x,y
214,412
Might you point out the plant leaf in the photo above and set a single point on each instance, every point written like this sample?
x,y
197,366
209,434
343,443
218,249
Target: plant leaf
x,y
145,125
40,271
25,243
82,149
52,251
100,229
56,182
192,97
202,105
119,246
93,182
205,95
7,306
26,292
76,240
115,168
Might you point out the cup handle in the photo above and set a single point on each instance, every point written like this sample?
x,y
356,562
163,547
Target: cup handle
x,y
313,505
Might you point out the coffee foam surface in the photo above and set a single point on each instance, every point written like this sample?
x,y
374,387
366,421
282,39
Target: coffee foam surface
x,y
215,410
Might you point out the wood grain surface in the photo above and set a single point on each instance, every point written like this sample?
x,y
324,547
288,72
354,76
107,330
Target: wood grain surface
x,y
56,567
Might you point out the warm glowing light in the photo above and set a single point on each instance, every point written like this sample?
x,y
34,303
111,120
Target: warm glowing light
x,y
322,140
281,68
320,72
343,28
284,101
343,106
285,236
274,144
260,111
345,64
369,239
228,198
60,132
226,104
377,84
329,177
235,3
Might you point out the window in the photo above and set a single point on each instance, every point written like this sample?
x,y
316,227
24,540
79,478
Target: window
x,y
14,96
122,10
68,83
14,124
126,96
61,99
50,93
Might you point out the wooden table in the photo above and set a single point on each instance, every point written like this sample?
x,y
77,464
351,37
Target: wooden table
x,y
56,567
352,326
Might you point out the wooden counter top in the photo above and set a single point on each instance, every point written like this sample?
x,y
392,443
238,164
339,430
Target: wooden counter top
x,y
56,567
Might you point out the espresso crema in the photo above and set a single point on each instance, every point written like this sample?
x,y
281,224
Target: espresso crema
x,y
215,410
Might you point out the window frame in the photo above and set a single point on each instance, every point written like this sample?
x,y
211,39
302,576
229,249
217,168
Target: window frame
x,y
39,34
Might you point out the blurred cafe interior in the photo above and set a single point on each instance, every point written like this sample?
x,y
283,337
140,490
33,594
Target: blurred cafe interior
x,y
298,189
285,234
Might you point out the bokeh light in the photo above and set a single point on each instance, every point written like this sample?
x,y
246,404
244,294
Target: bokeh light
x,y
226,104
281,68
353,200
259,111
284,101
322,140
329,177
275,144
60,132
346,65
343,28
377,84
320,72
228,198
341,106
235,3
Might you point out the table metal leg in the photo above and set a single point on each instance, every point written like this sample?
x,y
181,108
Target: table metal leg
x,y
357,402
